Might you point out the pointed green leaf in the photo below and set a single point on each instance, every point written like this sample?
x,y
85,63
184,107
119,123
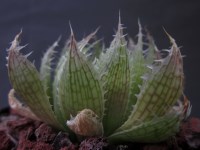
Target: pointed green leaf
x,y
26,81
161,90
83,43
45,70
116,78
137,69
152,51
56,83
79,86
156,130
93,50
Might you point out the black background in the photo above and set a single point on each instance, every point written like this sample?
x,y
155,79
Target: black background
x,y
43,21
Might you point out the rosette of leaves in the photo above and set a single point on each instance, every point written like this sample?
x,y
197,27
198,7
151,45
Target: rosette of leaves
x,y
127,92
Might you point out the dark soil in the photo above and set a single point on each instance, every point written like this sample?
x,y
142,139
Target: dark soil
x,y
20,133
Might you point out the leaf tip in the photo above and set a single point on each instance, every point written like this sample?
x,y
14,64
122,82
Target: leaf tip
x,y
16,41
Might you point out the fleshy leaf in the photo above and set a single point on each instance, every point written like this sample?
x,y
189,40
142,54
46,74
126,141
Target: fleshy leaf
x,y
137,69
162,89
152,52
56,83
116,77
82,44
156,130
19,107
93,51
79,86
59,71
45,70
26,81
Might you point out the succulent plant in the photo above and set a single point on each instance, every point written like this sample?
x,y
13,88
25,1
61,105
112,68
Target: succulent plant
x,y
127,92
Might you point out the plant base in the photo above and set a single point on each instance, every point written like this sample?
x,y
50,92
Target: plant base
x,y
20,133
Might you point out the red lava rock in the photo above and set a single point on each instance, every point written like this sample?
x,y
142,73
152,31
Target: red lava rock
x,y
170,144
63,142
71,147
26,145
5,141
155,147
190,133
20,123
27,140
93,144
45,133
20,133
15,126
194,124
4,120
120,147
